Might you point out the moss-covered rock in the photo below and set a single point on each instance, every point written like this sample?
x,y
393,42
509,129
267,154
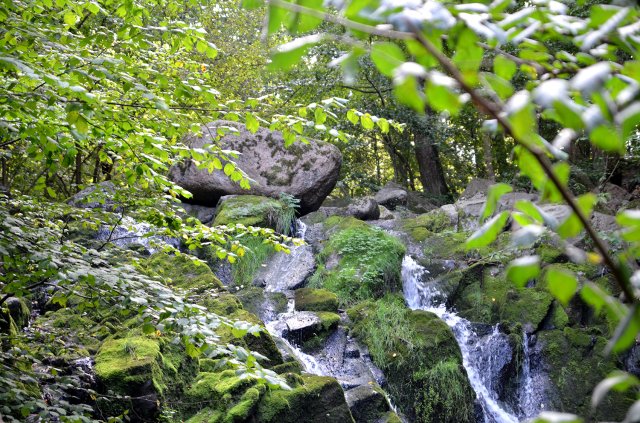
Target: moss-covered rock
x,y
143,368
181,271
228,305
420,357
262,303
358,262
251,210
14,315
422,226
319,399
225,397
486,296
310,299
575,363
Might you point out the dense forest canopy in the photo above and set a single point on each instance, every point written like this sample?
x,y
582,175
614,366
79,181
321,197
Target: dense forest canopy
x,y
101,100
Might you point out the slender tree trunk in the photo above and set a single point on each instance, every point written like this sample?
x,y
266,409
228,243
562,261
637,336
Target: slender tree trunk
x,y
96,166
5,173
488,157
377,158
78,170
431,173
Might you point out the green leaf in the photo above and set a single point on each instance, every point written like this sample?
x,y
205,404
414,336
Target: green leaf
x,y
468,56
488,232
504,67
625,334
608,139
251,123
495,192
353,117
70,18
387,56
229,168
572,226
530,209
618,381
500,86
408,93
443,98
320,116
562,283
366,121
522,270
287,55
252,4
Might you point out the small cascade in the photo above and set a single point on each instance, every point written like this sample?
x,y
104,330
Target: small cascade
x,y
530,396
484,354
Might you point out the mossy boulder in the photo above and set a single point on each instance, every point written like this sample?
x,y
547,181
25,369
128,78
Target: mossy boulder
x,y
422,226
420,357
143,368
575,362
14,315
263,304
181,271
318,399
229,306
310,299
358,261
228,398
249,210
486,296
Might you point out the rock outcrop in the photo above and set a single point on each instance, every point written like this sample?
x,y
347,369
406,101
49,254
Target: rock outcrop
x,y
307,171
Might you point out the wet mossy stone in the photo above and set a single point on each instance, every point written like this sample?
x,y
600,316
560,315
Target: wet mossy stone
x,y
367,403
14,313
358,262
142,368
319,399
262,303
249,210
227,305
310,299
420,358
488,297
574,360
181,271
227,397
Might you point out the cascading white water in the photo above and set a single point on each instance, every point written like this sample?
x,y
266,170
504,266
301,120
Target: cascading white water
x,y
479,353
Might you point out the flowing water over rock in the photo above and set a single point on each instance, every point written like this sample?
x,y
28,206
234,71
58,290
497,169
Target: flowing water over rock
x,y
486,353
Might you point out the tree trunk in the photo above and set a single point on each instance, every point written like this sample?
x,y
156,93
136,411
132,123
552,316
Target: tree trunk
x,y
78,171
431,173
488,157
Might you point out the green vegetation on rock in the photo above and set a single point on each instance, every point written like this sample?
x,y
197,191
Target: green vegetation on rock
x,y
310,299
358,262
422,354
254,210
182,271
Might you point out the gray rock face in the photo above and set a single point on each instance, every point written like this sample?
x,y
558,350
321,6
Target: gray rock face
x,y
616,197
301,326
203,213
364,209
477,185
99,196
307,171
418,203
391,196
285,272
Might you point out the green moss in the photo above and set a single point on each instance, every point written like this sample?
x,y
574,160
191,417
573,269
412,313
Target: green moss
x,y
368,261
310,299
181,271
416,350
226,304
256,254
292,366
488,298
560,319
576,364
315,217
253,300
318,399
253,210
128,363
328,320
422,226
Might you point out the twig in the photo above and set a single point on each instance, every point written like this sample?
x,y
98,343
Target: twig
x,y
494,111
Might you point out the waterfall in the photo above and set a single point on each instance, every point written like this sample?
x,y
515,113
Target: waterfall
x,y
483,355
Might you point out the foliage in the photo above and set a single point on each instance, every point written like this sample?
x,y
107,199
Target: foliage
x,y
546,77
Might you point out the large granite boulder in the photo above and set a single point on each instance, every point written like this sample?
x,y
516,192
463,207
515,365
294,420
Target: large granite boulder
x,y
308,171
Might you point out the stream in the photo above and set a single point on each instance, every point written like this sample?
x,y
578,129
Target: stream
x,y
484,354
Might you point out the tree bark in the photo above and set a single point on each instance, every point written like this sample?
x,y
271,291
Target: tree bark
x,y
431,173
488,157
